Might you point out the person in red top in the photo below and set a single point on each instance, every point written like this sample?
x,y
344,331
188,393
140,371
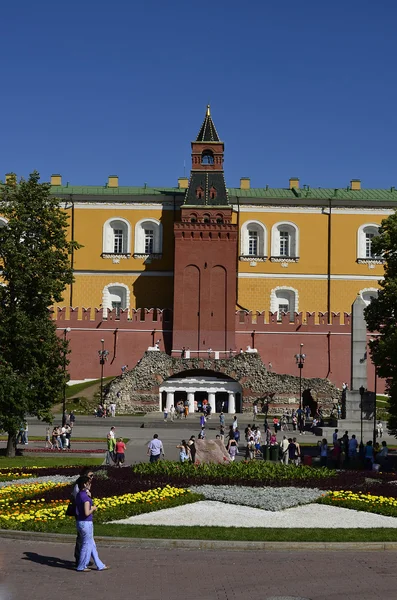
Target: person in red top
x,y
120,452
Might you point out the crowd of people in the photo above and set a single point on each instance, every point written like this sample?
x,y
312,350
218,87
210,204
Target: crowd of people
x,y
103,411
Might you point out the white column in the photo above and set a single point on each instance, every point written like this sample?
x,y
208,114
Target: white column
x,y
170,400
231,409
160,401
190,399
211,400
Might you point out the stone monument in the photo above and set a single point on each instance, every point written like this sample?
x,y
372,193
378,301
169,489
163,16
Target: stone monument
x,y
359,402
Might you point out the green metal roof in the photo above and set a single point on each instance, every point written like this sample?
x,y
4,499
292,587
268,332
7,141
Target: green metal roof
x,y
294,195
389,195
95,190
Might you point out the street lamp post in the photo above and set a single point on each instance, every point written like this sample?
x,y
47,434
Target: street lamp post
x,y
103,354
362,392
300,359
65,333
375,386
375,391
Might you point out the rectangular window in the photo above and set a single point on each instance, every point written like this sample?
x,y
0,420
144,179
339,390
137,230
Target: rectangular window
x,y
116,306
253,243
282,308
149,241
368,245
284,243
118,241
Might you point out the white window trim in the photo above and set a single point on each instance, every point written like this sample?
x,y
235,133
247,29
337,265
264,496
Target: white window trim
x,y
106,303
361,240
274,299
361,292
139,241
275,241
106,227
262,238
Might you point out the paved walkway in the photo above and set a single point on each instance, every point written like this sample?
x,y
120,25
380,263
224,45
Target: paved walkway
x,y
40,570
171,433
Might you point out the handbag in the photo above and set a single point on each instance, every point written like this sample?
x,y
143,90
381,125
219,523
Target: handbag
x,y
71,509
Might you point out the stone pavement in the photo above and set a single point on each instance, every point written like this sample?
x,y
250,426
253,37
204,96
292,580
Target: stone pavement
x,y
171,433
40,570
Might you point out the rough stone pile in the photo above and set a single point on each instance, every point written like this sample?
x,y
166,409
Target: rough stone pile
x,y
138,390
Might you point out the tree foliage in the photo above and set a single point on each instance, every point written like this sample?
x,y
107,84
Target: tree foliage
x,y
381,315
35,269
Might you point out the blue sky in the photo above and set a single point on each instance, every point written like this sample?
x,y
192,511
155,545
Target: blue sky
x,y
304,89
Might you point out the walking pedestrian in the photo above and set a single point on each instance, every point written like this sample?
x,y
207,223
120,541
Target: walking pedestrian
x,y
232,449
86,472
323,453
120,452
85,526
353,445
48,443
111,443
155,449
284,450
72,419
192,447
184,452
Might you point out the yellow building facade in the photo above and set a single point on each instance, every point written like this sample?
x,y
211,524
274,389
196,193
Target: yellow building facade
x,y
299,250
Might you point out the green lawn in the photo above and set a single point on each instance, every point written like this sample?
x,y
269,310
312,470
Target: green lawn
x,y
72,390
243,534
247,533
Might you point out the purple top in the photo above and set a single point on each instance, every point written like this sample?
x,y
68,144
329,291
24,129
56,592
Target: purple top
x,y
81,498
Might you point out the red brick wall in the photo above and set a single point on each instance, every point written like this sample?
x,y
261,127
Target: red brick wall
x,y
205,284
327,347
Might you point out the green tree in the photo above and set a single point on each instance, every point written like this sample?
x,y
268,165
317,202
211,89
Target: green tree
x,y
35,269
381,315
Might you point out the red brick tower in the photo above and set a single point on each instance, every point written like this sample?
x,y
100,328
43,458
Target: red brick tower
x,y
205,267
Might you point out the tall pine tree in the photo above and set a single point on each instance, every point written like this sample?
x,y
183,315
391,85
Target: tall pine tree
x,y
35,269
381,315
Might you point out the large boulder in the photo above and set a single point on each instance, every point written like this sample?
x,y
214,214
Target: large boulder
x,y
211,451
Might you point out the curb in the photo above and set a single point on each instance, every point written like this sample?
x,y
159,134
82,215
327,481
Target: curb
x,y
237,546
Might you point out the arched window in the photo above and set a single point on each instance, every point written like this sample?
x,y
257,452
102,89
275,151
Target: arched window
x,y
206,218
148,237
253,239
283,300
199,192
213,192
365,236
207,157
116,236
368,294
115,296
285,240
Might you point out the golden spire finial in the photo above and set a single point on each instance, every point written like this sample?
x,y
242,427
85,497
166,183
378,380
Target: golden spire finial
x,y
208,110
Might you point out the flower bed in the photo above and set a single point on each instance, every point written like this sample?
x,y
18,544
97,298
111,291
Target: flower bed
x,y
120,493
380,505
25,506
267,498
252,473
